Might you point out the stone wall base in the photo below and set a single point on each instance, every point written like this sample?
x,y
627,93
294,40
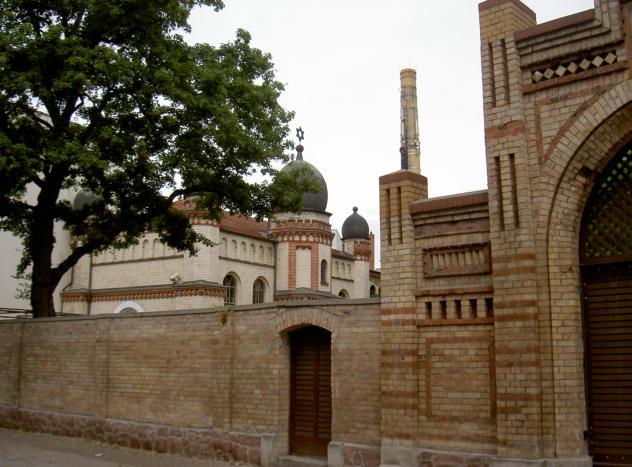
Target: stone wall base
x,y
340,454
392,456
203,442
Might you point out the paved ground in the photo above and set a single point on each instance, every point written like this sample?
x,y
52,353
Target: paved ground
x,y
21,449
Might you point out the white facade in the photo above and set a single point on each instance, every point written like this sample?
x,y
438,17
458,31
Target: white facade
x,y
244,257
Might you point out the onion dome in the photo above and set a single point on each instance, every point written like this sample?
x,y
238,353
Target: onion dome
x,y
311,201
82,199
355,226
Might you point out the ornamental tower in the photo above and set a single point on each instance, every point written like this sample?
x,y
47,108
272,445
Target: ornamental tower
x,y
303,257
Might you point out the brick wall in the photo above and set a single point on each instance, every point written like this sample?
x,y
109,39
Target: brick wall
x,y
192,382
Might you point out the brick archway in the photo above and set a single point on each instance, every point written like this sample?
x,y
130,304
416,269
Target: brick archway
x,y
291,318
565,184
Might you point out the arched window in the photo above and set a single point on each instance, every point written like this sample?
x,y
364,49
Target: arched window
x,y
231,293
373,291
323,271
128,308
258,291
343,293
156,248
224,246
261,253
253,252
145,249
233,248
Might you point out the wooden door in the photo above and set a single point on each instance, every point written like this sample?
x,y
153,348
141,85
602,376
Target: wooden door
x,y
310,403
606,258
608,320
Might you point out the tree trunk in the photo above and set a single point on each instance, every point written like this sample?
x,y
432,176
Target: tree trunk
x,y
42,296
43,282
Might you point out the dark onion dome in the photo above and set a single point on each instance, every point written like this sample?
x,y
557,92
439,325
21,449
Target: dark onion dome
x,y
355,226
82,199
311,201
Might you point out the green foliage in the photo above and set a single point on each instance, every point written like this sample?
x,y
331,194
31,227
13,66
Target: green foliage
x,y
106,96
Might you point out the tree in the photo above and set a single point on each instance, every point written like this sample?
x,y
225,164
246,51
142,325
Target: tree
x,y
106,96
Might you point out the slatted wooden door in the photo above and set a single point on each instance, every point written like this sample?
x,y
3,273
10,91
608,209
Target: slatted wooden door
x,y
606,257
608,319
310,403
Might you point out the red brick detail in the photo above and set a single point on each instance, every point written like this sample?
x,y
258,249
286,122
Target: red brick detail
x,y
515,304
399,353
518,317
398,322
481,289
398,311
197,442
401,176
398,364
145,294
513,128
517,397
556,24
494,3
514,258
316,268
455,322
513,271
404,394
315,231
450,202
451,228
602,70
315,272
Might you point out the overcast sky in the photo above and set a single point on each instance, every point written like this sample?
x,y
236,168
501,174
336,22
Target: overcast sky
x,y
340,62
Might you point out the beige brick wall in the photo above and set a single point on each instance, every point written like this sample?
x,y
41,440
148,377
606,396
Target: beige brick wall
x,y
219,369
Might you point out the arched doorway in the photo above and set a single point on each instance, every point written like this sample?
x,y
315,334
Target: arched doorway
x,y
310,386
606,266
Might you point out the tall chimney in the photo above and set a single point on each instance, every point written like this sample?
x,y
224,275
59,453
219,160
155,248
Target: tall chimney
x,y
409,125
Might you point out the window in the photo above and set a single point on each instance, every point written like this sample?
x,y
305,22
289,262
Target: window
x,y
323,271
258,291
231,293
373,291
343,293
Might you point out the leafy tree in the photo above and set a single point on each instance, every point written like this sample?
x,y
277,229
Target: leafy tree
x,y
106,96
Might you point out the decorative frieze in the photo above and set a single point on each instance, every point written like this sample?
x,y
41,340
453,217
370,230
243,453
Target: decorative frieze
x,y
571,67
145,293
457,260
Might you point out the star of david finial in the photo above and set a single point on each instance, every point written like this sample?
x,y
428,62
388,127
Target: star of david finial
x,y
300,134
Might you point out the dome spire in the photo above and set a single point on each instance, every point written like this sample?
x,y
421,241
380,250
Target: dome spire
x,y
300,134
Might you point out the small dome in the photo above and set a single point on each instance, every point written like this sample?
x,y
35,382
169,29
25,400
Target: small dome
x,y
355,226
311,201
82,199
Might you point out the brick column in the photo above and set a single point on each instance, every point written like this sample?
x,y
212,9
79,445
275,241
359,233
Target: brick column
x,y
399,373
517,340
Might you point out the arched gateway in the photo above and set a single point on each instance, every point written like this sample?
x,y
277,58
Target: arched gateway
x,y
606,265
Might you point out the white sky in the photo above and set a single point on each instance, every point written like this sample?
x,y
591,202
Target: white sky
x,y
340,62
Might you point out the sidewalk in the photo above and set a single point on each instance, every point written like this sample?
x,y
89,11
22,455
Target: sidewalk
x,y
20,449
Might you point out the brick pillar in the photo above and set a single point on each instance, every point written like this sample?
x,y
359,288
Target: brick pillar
x,y
399,373
517,340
